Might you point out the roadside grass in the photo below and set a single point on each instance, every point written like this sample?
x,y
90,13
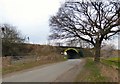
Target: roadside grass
x,y
0,71
47,54
65,58
28,65
90,73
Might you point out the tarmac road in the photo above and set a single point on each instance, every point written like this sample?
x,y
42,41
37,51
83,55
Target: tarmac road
x,y
49,73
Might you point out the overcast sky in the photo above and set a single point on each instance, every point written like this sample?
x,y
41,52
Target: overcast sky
x,y
31,17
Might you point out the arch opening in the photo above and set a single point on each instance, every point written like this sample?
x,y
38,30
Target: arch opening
x,y
71,53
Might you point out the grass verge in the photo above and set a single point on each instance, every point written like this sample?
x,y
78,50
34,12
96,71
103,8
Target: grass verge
x,y
22,66
90,73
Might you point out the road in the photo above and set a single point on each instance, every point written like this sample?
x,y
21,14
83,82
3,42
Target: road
x,y
52,73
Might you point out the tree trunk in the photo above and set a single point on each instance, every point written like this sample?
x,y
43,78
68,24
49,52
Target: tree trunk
x,y
97,51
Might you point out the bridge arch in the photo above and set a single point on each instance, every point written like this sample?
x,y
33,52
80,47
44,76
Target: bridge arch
x,y
71,53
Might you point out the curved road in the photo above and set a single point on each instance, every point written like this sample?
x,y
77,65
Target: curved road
x,y
50,73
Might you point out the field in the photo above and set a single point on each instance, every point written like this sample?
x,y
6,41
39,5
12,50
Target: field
x,y
113,62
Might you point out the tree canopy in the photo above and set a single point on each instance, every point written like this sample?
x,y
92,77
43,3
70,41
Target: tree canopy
x,y
90,21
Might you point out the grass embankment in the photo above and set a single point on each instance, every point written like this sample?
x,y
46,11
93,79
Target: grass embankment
x,y
23,66
110,68
90,73
100,72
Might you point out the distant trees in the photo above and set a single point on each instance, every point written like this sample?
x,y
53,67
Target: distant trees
x,y
11,40
108,50
90,21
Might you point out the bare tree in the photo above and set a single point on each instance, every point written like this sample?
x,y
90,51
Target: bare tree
x,y
11,40
90,21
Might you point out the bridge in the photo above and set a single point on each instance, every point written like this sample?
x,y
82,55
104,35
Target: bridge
x,y
72,52
75,52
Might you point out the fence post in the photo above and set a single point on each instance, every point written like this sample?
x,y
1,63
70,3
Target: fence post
x,y
0,55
